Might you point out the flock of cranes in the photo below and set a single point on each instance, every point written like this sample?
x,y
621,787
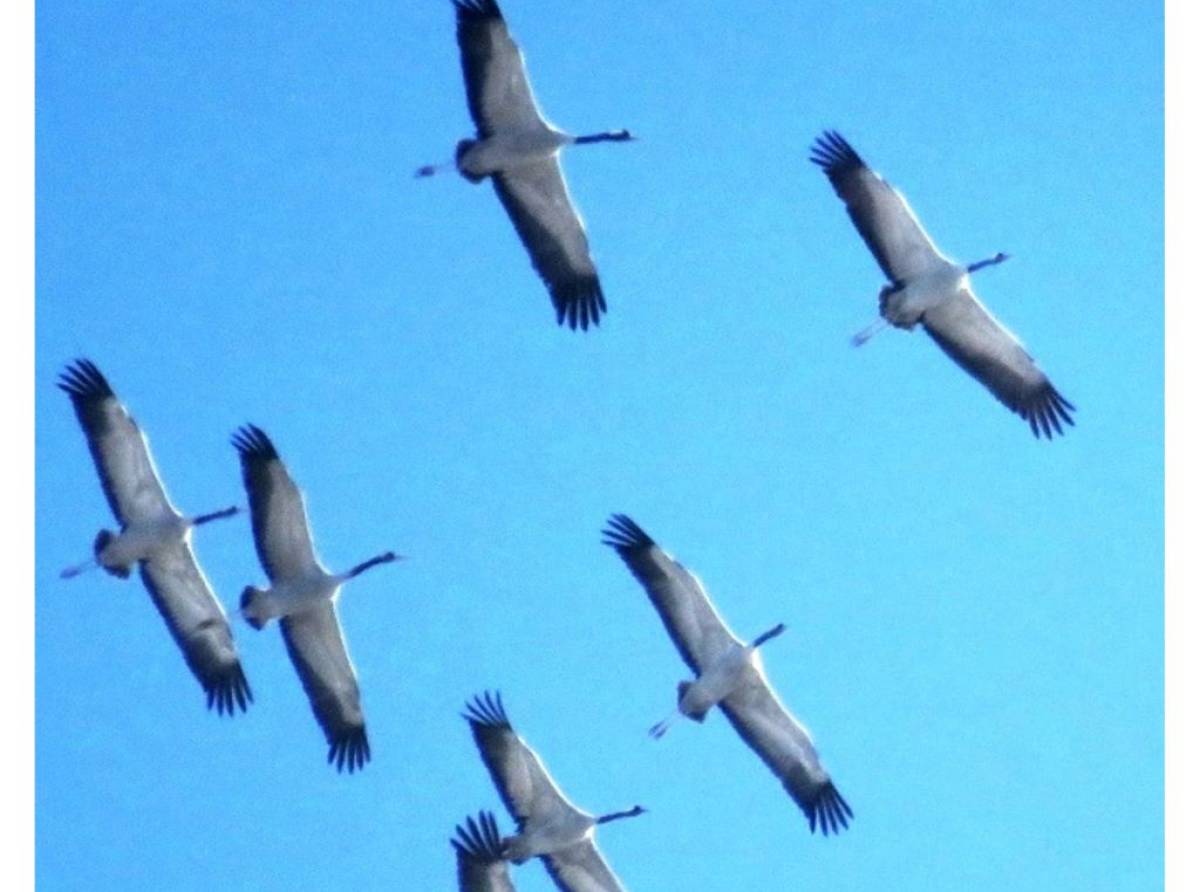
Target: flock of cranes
x,y
156,537
303,594
518,151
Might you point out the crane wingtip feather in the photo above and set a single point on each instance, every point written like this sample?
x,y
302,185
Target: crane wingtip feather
x,y
350,751
579,303
487,710
623,534
82,380
833,154
828,810
252,442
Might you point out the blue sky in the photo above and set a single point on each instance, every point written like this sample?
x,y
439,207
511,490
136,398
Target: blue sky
x,y
228,225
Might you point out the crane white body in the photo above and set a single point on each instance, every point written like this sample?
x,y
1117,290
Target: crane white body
x,y
927,288
510,149
731,670
557,832
729,675
921,294
143,539
518,150
294,595
302,596
550,826
156,538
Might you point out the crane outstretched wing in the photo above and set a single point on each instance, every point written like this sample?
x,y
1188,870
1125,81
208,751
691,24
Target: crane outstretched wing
x,y
784,745
536,199
198,624
281,533
521,779
119,448
498,91
688,614
581,868
479,855
882,217
314,642
974,339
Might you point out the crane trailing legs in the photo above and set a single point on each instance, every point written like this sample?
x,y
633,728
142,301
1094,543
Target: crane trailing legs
x,y
697,697
117,552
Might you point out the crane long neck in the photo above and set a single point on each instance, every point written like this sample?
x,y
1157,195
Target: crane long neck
x,y
215,515
612,816
384,558
608,136
768,635
980,264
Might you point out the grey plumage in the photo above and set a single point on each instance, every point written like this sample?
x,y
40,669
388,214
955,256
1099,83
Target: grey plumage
x,y
308,620
752,706
168,567
518,149
942,299
549,825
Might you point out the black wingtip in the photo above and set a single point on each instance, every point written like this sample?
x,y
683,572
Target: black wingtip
x,y
81,380
477,10
351,751
228,690
487,710
833,154
579,304
827,809
479,840
252,442
1046,413
624,535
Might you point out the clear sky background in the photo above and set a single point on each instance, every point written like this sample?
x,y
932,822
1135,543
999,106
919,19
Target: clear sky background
x,y
228,226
